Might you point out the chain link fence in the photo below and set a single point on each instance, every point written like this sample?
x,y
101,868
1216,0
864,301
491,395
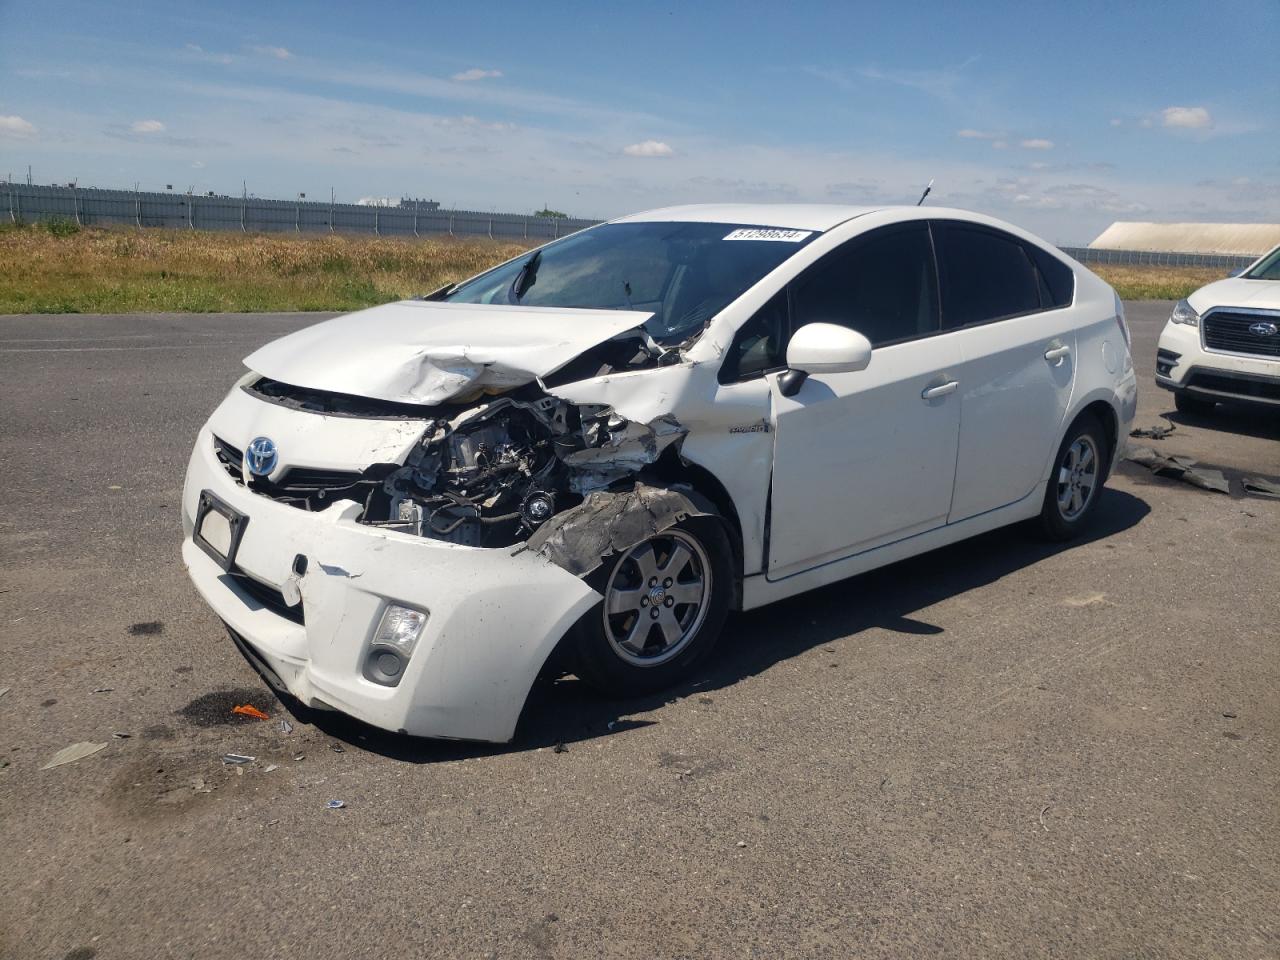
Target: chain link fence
x,y
1158,258
91,207
25,203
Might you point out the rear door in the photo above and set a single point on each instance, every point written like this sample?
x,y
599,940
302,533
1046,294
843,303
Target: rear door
x,y
1008,305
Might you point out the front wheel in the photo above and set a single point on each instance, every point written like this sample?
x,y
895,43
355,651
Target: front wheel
x,y
665,601
1192,406
1076,483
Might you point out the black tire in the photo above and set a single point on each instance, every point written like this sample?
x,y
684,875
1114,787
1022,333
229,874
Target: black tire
x,y
1192,406
1064,521
601,659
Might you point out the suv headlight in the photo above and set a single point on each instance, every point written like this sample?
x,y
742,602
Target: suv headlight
x,y
1183,313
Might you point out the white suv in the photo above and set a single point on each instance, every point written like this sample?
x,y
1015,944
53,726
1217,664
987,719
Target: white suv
x,y
1223,341
582,459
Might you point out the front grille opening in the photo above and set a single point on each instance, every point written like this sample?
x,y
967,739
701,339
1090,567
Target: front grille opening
x,y
304,487
1229,331
269,597
1236,386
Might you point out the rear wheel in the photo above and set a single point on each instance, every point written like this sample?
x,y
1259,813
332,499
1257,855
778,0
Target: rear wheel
x,y
1077,479
665,601
1192,406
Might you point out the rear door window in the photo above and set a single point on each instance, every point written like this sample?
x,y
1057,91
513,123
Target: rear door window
x,y
986,275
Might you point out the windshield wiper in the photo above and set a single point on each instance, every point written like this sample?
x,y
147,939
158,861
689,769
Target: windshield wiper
x,y
526,278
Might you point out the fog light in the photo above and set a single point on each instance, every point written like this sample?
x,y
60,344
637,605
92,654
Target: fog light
x,y
393,642
400,627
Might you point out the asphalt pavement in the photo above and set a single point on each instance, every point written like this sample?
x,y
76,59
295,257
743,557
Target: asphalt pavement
x,y
1003,748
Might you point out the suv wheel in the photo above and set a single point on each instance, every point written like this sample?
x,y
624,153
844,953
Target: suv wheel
x,y
1074,488
1192,406
665,600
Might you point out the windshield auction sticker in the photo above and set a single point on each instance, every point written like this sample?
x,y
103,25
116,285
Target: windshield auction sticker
x,y
769,233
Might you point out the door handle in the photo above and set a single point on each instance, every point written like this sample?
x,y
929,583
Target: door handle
x,y
1054,354
941,390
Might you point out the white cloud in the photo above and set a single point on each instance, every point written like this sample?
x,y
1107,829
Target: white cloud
x,y
999,144
1117,122
1194,118
147,126
280,53
970,134
1036,143
200,53
197,164
16,127
476,73
648,148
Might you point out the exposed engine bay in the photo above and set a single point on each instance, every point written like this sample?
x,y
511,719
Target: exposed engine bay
x,y
496,472
486,473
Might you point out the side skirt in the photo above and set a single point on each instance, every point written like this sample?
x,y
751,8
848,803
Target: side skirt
x,y
758,590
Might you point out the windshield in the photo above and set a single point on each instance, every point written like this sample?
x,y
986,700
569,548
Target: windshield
x,y
1268,269
682,273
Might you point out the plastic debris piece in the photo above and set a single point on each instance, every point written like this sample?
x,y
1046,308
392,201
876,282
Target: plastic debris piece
x,y
270,767
247,710
286,726
122,736
237,759
1154,433
336,804
742,843
102,690
1180,468
77,751
336,748
299,756
3,691
1258,486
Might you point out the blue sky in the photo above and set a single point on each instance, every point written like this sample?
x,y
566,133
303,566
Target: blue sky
x,y
1059,117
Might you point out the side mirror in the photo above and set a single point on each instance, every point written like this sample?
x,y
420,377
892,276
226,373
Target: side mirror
x,y
823,348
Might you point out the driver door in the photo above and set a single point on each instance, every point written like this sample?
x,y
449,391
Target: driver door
x,y
866,458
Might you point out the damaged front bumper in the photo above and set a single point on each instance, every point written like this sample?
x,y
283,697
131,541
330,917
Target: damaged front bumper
x,y
493,615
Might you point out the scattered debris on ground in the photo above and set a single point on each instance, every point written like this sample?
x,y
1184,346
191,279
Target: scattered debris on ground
x,y
1261,487
102,689
77,751
122,736
336,804
237,759
1153,433
1180,468
214,709
248,710
286,726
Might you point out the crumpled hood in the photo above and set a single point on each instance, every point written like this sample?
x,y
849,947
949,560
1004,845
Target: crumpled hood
x,y
425,352
1237,292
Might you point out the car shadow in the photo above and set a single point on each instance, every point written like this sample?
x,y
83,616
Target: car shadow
x,y
1247,420
565,711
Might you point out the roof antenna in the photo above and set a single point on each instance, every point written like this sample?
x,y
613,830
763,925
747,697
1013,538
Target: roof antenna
x,y
925,194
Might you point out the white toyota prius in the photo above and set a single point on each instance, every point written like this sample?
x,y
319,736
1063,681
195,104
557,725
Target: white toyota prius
x,y
584,458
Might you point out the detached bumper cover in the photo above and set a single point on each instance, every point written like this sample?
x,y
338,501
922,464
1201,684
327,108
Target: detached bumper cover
x,y
494,615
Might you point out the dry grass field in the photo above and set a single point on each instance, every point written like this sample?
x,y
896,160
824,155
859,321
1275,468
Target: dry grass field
x,y
1157,283
64,269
